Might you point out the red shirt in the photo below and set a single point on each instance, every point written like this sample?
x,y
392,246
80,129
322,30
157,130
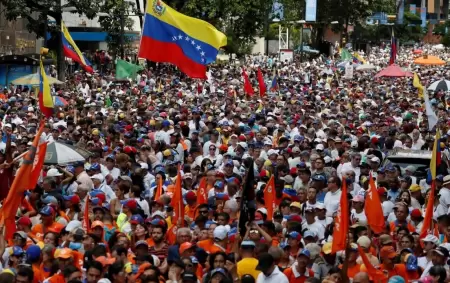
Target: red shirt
x,y
301,278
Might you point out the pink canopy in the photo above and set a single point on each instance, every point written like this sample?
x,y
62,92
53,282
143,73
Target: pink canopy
x,y
393,71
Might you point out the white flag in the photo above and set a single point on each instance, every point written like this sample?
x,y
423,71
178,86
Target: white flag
x,y
432,118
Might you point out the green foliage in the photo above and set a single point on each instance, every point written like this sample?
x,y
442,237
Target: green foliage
x,y
241,20
112,23
36,11
446,40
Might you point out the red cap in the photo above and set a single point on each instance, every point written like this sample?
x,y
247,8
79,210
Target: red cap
x,y
220,175
129,128
190,196
416,213
24,220
382,190
293,171
185,246
223,147
242,138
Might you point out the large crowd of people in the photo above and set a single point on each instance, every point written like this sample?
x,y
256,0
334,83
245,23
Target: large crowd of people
x,y
312,130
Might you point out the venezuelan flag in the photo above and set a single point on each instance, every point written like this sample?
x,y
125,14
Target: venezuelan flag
x,y
171,37
274,85
71,50
45,98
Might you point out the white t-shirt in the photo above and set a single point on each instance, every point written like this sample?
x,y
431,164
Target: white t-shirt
x,y
358,217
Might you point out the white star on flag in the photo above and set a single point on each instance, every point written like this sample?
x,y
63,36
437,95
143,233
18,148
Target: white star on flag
x,y
174,38
202,53
198,47
180,37
187,38
193,42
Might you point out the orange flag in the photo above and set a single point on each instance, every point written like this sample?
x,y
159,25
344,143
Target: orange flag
x,y
374,274
201,192
341,221
177,201
37,166
374,211
269,197
428,220
86,224
18,187
158,189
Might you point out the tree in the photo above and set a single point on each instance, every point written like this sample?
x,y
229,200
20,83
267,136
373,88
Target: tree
x,y
36,12
240,20
117,11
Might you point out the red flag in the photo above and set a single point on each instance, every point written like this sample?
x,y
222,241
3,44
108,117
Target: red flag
x,y
177,201
262,84
37,166
201,192
269,197
374,211
341,222
18,187
248,89
86,224
158,189
375,275
428,220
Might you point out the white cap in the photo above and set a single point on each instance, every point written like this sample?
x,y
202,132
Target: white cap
x,y
74,224
243,145
432,239
144,165
158,213
30,109
354,144
287,179
320,147
53,172
262,210
98,177
272,151
375,159
220,232
327,159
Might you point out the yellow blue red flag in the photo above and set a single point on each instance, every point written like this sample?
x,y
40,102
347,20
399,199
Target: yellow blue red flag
x,y
171,37
46,104
72,51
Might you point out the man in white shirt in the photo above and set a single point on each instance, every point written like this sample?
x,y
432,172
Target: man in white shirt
x,y
98,179
444,198
269,271
311,224
353,165
333,196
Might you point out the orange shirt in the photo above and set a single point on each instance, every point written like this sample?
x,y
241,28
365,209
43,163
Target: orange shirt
x,y
38,229
205,244
190,211
57,278
301,279
45,274
150,242
394,225
38,277
352,271
399,269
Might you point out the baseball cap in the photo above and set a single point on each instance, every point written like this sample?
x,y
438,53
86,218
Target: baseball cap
x,y
294,218
389,252
411,262
326,249
136,219
53,172
265,261
431,239
190,196
189,276
385,239
141,243
47,210
50,200
414,188
382,191
98,177
295,235
129,203
74,199
63,253
416,213
248,244
22,234
24,220
33,252
442,251
358,198
97,223
309,233
220,232
105,261
185,246
364,242
16,251
304,252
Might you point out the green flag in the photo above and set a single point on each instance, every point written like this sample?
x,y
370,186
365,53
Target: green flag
x,y
126,70
345,55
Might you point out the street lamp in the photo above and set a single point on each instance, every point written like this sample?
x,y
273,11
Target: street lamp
x,y
301,23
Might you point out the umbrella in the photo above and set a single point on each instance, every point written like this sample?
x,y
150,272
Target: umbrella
x,y
33,79
429,60
440,85
63,154
59,101
438,47
417,51
365,67
393,71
